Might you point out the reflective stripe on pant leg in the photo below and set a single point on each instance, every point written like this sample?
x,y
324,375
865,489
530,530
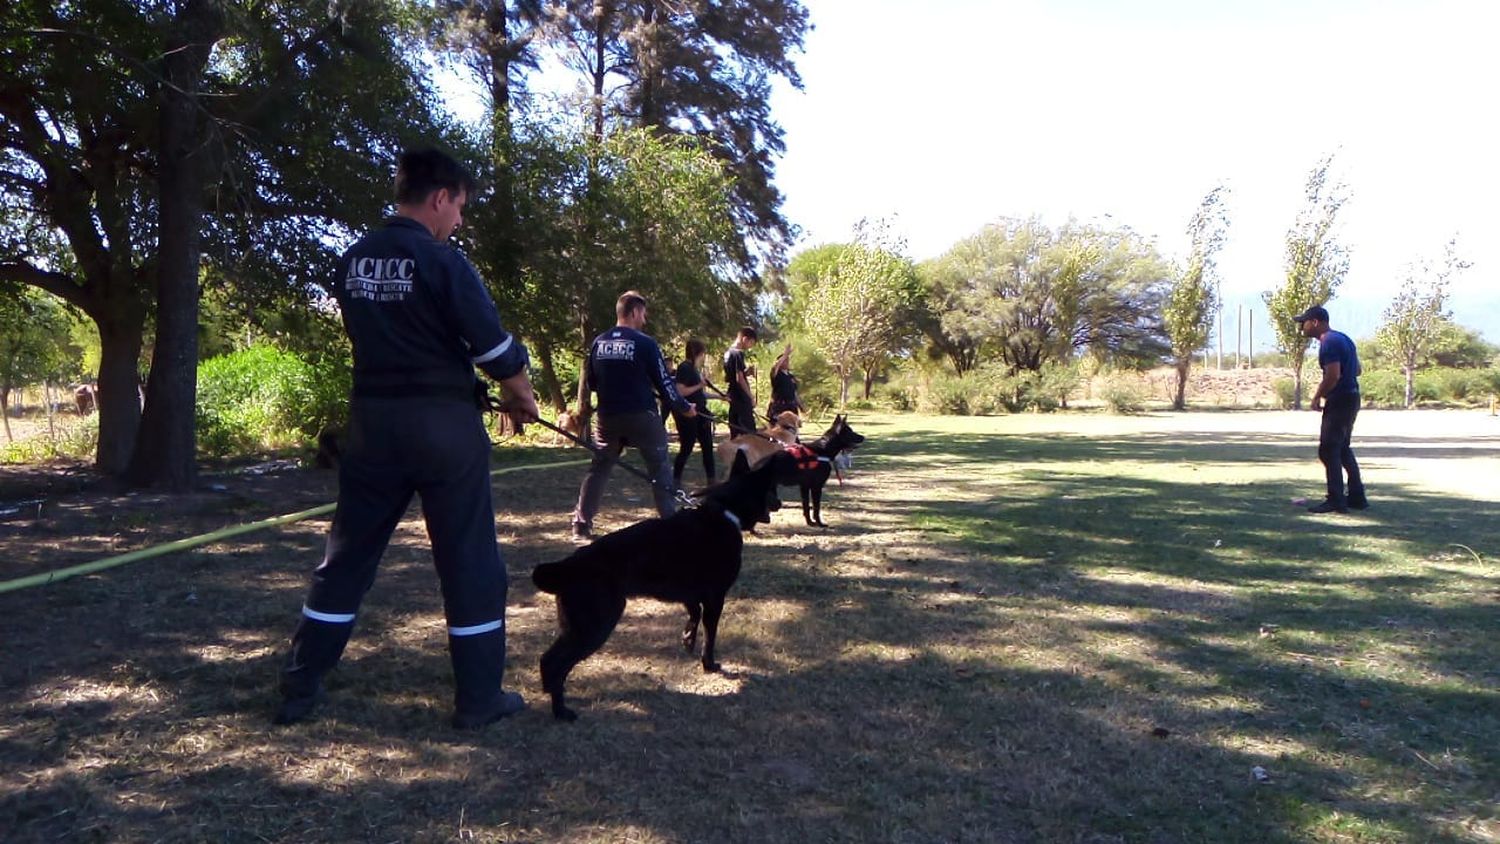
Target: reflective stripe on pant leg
x,y
460,520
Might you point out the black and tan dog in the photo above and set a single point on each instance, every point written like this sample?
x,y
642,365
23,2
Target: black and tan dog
x,y
815,463
691,557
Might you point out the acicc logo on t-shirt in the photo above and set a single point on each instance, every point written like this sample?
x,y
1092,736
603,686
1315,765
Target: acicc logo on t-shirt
x,y
614,349
380,279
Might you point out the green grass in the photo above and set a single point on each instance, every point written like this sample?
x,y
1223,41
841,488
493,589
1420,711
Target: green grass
x,y
1068,628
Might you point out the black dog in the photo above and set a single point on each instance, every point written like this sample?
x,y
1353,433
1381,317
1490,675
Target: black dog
x,y
815,464
692,557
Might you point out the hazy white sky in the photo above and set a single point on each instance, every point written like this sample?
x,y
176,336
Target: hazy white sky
x,y
946,114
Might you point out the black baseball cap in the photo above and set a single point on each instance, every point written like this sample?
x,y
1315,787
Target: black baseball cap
x,y
1317,312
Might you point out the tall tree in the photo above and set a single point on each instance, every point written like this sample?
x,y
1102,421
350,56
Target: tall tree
x,y
1193,300
858,312
1414,321
1316,264
1026,295
149,138
703,68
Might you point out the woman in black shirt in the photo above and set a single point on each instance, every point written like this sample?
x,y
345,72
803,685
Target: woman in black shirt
x,y
783,387
692,386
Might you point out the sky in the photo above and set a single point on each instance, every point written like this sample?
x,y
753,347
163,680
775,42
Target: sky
x,y
944,115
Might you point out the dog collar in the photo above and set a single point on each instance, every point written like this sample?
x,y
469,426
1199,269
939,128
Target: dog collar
x,y
735,520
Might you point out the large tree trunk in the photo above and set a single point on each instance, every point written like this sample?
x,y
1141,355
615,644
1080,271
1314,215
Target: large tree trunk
x,y
551,386
165,452
5,413
119,394
1411,372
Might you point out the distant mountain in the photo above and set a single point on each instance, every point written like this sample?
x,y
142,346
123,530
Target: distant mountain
x,y
1359,317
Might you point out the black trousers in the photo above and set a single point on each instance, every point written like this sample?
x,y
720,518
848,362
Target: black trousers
x,y
1339,412
437,449
690,430
741,413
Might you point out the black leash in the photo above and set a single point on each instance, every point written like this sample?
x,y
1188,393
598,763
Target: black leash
x,y
681,495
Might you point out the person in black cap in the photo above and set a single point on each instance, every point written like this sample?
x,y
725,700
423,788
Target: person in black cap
x,y
1337,396
420,320
626,369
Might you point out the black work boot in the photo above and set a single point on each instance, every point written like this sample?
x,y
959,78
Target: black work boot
x,y
1328,507
508,704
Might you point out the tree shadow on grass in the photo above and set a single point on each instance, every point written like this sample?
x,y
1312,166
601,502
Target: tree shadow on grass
x,y
884,706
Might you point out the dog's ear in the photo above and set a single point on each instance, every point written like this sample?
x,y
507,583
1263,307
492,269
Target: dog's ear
x,y
741,464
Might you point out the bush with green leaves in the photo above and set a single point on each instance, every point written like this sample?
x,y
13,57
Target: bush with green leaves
x,y
1124,394
263,397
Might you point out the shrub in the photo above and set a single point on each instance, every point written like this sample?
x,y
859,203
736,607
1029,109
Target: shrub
x,y
263,397
1383,388
76,440
1286,392
1124,394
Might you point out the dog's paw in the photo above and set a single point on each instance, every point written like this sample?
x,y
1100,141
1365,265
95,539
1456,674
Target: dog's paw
x,y
712,668
564,714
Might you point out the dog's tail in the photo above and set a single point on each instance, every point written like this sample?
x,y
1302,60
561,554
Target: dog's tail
x,y
549,577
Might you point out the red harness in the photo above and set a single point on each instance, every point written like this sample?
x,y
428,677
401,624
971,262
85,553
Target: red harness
x,y
806,458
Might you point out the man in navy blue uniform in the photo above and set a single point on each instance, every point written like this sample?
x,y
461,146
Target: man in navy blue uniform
x,y
420,320
626,369
1337,396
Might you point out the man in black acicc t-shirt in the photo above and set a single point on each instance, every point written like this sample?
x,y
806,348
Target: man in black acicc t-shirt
x,y
737,377
625,368
419,319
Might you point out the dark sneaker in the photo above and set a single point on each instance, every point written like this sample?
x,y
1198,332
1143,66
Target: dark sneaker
x,y
509,704
1362,504
1327,507
582,535
295,709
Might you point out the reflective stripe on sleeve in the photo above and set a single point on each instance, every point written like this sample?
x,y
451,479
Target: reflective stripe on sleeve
x,y
476,629
329,617
495,352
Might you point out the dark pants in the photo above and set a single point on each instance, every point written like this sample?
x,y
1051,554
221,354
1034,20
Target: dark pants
x,y
1339,412
694,429
438,449
645,433
741,413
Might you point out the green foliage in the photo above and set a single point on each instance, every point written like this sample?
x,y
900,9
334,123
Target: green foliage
x,y
1464,348
1193,300
1123,394
1286,392
35,339
858,310
1315,266
1415,319
634,210
262,397
1022,294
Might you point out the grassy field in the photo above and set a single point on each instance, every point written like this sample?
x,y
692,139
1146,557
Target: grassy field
x,y
1069,628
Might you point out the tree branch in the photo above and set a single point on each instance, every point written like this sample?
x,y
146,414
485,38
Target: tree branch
x,y
58,284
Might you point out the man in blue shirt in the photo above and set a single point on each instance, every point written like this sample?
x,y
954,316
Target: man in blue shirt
x,y
420,320
1337,396
625,368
